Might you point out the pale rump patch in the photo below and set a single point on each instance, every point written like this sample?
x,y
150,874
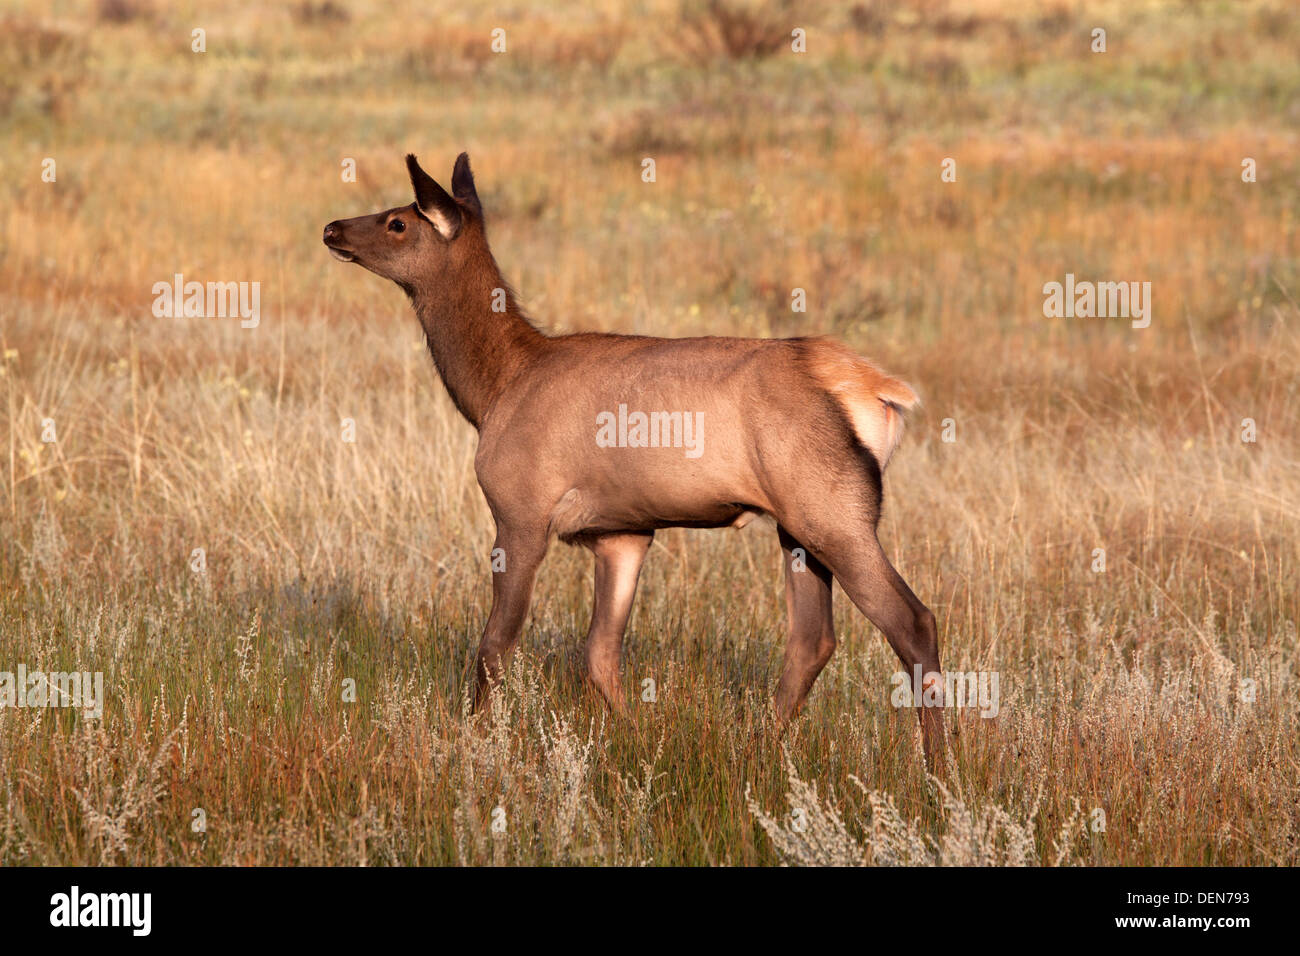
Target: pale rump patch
x,y
875,402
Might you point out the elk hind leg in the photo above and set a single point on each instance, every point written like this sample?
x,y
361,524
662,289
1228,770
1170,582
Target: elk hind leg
x,y
880,592
811,640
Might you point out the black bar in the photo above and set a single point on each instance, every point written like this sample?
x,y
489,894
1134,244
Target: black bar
x,y
941,906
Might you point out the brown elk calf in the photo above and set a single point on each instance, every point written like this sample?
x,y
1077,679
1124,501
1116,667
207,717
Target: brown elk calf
x,y
720,430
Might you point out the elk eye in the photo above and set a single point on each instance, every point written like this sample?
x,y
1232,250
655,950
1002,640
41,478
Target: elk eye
x,y
396,225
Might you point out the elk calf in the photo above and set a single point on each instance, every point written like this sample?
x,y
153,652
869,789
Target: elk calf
x,y
799,429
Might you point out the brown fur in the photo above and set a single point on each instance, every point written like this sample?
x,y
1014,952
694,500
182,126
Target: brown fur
x,y
799,429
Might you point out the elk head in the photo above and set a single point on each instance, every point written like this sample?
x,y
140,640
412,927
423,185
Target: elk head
x,y
415,245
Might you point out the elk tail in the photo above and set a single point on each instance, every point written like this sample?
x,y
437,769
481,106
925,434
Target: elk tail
x,y
873,401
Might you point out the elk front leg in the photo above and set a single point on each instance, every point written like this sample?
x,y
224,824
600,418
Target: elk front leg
x,y
811,625
512,592
618,568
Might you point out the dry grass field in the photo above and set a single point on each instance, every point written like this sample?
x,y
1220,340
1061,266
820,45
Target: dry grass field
x,y
1150,711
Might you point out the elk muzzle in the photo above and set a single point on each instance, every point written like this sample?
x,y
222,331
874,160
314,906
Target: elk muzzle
x,y
333,239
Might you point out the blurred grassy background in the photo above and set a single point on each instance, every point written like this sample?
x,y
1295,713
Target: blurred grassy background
x,y
775,170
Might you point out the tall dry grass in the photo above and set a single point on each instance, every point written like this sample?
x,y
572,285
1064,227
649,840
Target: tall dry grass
x,y
329,562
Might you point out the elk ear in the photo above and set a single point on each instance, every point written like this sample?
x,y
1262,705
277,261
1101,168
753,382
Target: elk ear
x,y
462,182
433,201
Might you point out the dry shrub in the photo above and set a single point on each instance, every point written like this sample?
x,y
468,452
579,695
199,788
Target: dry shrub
x,y
720,30
329,12
45,65
122,11
458,49
815,832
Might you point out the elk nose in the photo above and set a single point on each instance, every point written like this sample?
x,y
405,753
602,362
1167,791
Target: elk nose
x,y
332,232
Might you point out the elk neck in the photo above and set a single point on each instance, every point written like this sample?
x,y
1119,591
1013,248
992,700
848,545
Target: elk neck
x,y
477,351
